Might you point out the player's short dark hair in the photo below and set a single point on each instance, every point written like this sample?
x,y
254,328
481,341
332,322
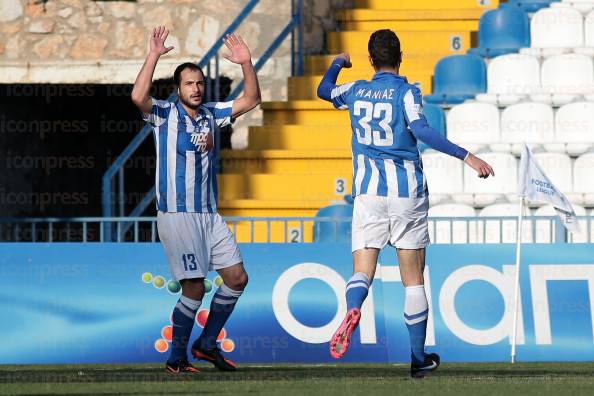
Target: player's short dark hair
x,y
181,68
384,49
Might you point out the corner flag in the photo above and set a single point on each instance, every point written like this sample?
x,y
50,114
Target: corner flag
x,y
535,186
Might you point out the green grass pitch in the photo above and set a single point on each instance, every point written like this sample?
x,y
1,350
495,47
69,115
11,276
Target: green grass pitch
x,y
283,379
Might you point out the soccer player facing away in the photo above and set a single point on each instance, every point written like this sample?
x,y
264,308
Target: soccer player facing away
x,y
390,190
194,236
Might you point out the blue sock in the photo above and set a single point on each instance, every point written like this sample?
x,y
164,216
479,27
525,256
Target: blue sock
x,y
221,307
183,317
416,311
356,290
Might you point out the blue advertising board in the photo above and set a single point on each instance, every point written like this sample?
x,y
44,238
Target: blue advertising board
x,y
108,303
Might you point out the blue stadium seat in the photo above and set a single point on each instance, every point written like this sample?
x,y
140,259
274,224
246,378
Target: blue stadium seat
x,y
530,5
502,31
458,78
334,231
436,119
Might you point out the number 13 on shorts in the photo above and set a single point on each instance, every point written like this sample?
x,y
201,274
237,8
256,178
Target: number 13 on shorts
x,y
189,262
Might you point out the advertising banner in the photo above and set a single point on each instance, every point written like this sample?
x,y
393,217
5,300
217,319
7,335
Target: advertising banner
x,y
109,303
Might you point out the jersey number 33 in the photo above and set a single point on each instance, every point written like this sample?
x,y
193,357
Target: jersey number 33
x,y
381,113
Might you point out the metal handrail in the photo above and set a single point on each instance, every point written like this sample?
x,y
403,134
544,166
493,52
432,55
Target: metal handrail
x,y
118,164
288,29
321,228
297,68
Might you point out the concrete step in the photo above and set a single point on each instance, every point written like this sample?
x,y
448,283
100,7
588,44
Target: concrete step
x,y
317,65
278,187
287,162
306,87
304,112
300,137
424,42
427,4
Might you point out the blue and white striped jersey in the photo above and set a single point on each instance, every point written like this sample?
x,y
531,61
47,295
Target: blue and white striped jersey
x,y
186,179
386,160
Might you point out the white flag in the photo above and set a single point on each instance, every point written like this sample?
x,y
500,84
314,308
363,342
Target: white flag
x,y
535,186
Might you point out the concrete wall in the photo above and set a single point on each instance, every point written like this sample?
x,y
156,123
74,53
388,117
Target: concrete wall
x,y
104,42
87,42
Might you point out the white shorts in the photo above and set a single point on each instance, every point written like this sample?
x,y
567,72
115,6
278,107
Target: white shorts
x,y
196,243
402,222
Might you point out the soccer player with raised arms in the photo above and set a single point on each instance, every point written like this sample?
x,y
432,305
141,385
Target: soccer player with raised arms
x,y
194,236
389,187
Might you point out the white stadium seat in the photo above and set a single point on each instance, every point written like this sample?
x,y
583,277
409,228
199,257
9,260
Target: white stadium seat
x,y
473,125
583,6
481,192
454,231
503,231
588,48
583,180
528,122
574,128
564,78
555,31
444,175
510,78
558,168
591,230
545,229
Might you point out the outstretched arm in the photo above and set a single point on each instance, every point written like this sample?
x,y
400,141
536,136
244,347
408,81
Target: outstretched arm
x,y
142,86
422,131
240,54
436,141
328,82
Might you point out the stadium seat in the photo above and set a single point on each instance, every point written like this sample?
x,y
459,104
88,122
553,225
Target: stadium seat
x,y
458,78
502,31
473,125
583,180
529,122
588,48
481,192
452,231
436,119
531,5
338,230
510,78
591,230
444,175
503,231
583,6
545,229
574,129
555,31
564,78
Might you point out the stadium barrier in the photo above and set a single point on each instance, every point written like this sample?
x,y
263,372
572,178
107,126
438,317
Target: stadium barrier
x,y
462,230
111,303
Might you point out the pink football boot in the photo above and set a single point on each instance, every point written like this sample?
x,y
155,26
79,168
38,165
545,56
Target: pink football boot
x,y
339,343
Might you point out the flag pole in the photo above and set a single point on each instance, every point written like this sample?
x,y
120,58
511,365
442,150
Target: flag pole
x,y
517,281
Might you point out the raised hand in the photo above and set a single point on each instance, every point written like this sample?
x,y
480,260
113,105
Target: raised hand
x,y
481,167
240,53
347,59
157,41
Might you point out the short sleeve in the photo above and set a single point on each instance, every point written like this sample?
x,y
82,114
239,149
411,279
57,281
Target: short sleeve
x,y
339,96
413,105
222,112
159,112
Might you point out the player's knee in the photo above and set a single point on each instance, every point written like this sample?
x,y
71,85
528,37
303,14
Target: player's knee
x,y
193,288
240,281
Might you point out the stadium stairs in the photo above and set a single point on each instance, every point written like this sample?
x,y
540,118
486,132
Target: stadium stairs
x,y
300,159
